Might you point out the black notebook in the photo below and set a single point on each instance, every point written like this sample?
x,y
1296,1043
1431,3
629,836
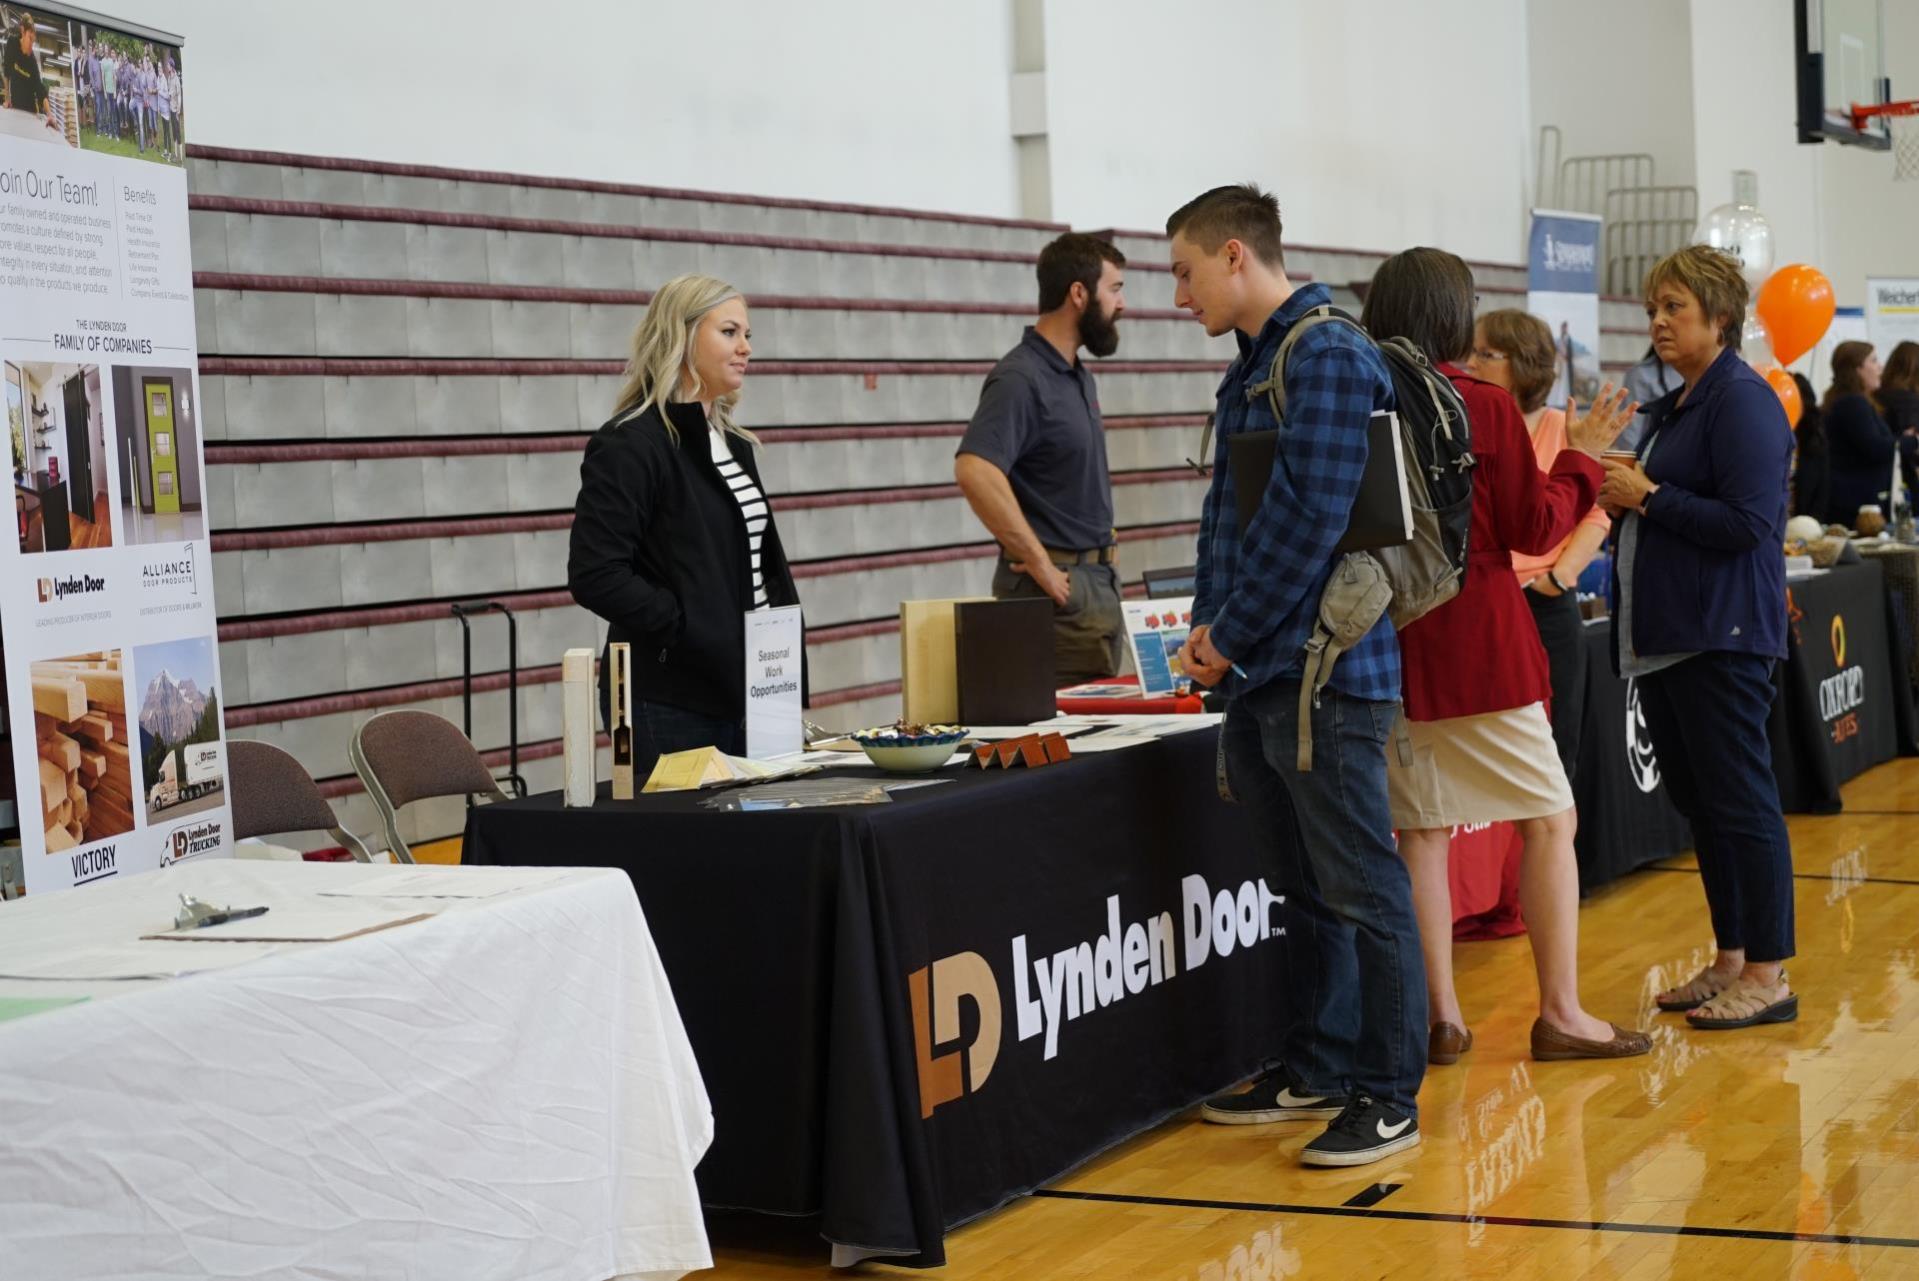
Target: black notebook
x,y
1003,661
1383,508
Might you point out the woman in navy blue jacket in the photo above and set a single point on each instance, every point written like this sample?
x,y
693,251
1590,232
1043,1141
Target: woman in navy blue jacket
x,y
1699,606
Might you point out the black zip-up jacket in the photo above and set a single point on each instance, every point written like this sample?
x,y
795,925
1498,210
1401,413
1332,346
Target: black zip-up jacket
x,y
660,551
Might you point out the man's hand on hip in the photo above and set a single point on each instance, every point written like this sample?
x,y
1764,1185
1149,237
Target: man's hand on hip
x,y
1054,581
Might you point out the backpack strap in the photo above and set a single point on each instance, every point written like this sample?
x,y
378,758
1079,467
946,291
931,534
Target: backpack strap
x,y
1274,386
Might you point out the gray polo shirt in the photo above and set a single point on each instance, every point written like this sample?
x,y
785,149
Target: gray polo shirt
x,y
1038,421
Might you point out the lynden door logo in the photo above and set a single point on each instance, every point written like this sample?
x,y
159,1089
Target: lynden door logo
x,y
1078,980
964,975
180,570
1639,754
58,589
185,842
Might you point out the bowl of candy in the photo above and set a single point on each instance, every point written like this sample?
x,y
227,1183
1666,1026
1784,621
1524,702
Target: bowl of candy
x,y
907,748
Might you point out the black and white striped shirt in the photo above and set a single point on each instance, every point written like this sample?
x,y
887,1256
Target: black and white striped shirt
x,y
752,506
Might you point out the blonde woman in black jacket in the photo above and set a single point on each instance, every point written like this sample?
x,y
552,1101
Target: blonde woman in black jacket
x,y
673,538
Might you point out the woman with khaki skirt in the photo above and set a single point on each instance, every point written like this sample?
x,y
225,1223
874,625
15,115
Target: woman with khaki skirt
x,y
1474,744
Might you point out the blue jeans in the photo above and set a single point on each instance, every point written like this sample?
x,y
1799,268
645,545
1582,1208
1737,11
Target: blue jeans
x,y
1707,718
1354,1012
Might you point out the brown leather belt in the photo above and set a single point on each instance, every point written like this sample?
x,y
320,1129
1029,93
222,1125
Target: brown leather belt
x,y
1092,556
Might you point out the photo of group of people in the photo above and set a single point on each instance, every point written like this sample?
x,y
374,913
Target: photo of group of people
x,y
77,478
83,86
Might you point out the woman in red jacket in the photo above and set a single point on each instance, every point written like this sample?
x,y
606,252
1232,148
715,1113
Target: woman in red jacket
x,y
1474,744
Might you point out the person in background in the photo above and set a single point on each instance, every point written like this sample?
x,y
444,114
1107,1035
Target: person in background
x,y
1474,744
1899,397
1699,622
163,100
1513,350
1352,1021
25,86
1812,464
1860,443
1646,382
109,92
175,92
1033,461
673,541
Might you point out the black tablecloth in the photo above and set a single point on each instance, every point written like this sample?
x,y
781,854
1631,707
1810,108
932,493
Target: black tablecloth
x,y
1626,819
1843,705
840,969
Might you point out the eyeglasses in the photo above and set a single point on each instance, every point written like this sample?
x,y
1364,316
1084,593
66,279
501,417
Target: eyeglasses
x,y
1486,355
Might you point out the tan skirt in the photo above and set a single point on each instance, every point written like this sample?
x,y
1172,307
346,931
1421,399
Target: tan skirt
x,y
1476,769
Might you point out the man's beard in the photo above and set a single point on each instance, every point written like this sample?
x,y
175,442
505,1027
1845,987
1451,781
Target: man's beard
x,y
1098,332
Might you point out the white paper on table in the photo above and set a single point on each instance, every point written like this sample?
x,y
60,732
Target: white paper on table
x,y
450,882
775,723
1109,743
316,923
130,961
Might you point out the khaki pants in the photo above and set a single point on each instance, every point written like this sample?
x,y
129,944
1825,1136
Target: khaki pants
x,y
1089,633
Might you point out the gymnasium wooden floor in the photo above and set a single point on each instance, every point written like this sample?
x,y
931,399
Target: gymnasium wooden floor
x,y
1790,1151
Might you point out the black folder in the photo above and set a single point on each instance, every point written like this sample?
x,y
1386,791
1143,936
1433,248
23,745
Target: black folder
x,y
1003,661
1383,508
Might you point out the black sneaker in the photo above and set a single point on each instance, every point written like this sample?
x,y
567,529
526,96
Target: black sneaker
x,y
1366,1131
1275,1096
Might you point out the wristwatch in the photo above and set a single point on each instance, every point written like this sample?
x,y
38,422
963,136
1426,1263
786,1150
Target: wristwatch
x,y
1553,574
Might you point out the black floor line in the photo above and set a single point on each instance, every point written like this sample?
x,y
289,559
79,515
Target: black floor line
x,y
1496,1220
1373,1195
1797,876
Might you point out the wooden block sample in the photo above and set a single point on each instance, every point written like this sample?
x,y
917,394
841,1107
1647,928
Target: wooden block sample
x,y
60,697
92,766
1032,753
96,727
985,755
1056,748
61,750
53,787
59,839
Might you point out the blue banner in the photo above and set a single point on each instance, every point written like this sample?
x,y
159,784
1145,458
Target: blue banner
x,y
1564,256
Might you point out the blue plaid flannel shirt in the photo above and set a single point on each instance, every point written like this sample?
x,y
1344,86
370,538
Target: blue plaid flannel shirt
x,y
1260,592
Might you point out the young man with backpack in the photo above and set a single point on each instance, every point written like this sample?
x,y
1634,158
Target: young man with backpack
x,y
1353,1028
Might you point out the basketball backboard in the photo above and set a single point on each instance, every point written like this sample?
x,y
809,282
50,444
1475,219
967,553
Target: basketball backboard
x,y
1842,64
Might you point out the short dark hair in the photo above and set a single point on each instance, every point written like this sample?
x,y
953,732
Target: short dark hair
x,y
1074,258
1527,344
1240,212
1425,296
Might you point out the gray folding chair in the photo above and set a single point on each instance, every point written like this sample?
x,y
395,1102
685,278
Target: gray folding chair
x,y
273,794
408,756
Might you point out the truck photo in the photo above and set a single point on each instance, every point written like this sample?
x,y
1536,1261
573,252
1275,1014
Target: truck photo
x,y
187,772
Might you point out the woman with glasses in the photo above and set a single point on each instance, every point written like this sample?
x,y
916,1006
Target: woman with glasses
x,y
1513,350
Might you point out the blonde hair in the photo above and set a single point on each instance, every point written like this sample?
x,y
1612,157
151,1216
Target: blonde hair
x,y
661,345
1711,276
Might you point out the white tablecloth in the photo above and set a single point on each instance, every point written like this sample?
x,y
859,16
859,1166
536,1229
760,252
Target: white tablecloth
x,y
503,1091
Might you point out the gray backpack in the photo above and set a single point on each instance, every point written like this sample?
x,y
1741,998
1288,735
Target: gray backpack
x,y
1412,578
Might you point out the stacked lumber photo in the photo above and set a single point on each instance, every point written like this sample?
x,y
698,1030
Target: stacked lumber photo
x,y
80,726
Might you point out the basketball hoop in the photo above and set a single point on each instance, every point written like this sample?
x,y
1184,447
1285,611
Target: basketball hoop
x,y
1902,122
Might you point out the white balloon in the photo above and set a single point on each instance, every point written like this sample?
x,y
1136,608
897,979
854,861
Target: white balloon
x,y
1755,342
1743,232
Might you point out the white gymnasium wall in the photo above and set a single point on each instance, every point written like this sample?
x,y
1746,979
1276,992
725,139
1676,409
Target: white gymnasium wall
x,y
861,100
1616,78
1379,123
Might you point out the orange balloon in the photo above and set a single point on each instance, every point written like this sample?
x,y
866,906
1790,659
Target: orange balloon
x,y
1787,390
1797,305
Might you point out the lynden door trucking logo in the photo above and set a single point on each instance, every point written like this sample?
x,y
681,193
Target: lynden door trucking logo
x,y
185,842
1076,981
1842,694
58,589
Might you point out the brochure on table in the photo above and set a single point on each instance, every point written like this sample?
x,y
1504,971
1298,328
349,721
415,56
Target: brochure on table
x,y
106,587
1155,632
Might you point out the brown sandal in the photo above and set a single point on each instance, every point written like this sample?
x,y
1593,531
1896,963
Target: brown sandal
x,y
1747,1004
1693,993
